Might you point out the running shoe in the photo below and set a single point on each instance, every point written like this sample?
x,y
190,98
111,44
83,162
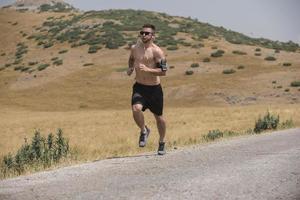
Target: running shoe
x,y
144,137
161,148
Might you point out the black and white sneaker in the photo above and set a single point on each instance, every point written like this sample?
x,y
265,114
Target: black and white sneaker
x,y
161,148
143,137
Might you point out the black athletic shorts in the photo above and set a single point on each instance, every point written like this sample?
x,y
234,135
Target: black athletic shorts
x,y
149,96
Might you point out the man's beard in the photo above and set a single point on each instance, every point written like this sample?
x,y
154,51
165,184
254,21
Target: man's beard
x,y
146,41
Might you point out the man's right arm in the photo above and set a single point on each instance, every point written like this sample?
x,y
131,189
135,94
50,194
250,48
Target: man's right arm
x,y
130,63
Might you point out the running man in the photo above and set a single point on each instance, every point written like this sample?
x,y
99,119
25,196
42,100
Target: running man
x,y
149,63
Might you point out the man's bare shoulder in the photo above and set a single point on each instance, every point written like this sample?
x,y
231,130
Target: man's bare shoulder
x,y
157,50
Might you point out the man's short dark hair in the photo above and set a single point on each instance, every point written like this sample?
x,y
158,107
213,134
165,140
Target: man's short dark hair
x,y
149,26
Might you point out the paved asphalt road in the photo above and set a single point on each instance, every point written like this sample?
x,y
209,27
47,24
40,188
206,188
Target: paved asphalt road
x,y
256,167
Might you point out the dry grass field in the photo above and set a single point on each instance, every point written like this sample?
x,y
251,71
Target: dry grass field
x,y
92,103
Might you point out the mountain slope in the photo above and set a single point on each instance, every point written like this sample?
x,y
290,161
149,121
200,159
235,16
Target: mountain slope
x,y
50,55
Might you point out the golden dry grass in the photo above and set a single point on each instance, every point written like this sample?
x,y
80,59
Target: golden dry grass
x,y
99,134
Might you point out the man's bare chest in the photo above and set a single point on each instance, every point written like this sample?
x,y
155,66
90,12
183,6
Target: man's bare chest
x,y
144,56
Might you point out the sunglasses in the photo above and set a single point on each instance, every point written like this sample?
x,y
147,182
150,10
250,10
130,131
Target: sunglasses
x,y
145,33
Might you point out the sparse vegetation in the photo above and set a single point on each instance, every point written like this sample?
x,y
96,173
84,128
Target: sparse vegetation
x,y
195,65
257,54
228,71
93,49
295,84
58,62
218,53
40,154
63,51
42,66
270,58
172,48
88,64
241,67
268,122
206,59
238,52
286,64
189,72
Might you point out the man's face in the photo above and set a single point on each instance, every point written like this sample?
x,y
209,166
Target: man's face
x,y
146,34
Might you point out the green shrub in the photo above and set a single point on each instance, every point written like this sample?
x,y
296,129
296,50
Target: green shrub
x,y
88,64
32,63
295,84
239,52
257,49
287,124
228,71
172,48
268,122
189,72
217,53
206,59
42,152
287,90
214,134
48,45
54,58
195,65
286,64
58,62
241,67
42,66
257,54
270,58
63,51
93,49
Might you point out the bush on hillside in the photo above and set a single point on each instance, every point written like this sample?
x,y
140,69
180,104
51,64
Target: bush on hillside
x,y
172,48
228,71
241,67
206,59
295,84
270,58
286,64
194,65
268,122
218,53
42,66
93,49
58,62
189,72
238,52
257,49
63,51
257,54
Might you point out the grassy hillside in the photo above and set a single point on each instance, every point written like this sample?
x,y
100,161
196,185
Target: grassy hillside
x,y
67,70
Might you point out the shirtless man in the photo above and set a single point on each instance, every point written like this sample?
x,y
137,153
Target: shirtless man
x,y
149,62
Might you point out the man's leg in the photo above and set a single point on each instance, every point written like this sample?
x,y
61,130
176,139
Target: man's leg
x,y
161,126
138,116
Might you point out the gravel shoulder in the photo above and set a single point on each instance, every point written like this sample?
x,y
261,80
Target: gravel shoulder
x,y
265,166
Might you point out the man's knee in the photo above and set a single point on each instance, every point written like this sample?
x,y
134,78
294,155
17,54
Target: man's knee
x,y
160,119
137,107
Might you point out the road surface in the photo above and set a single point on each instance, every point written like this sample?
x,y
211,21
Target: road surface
x,y
265,166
